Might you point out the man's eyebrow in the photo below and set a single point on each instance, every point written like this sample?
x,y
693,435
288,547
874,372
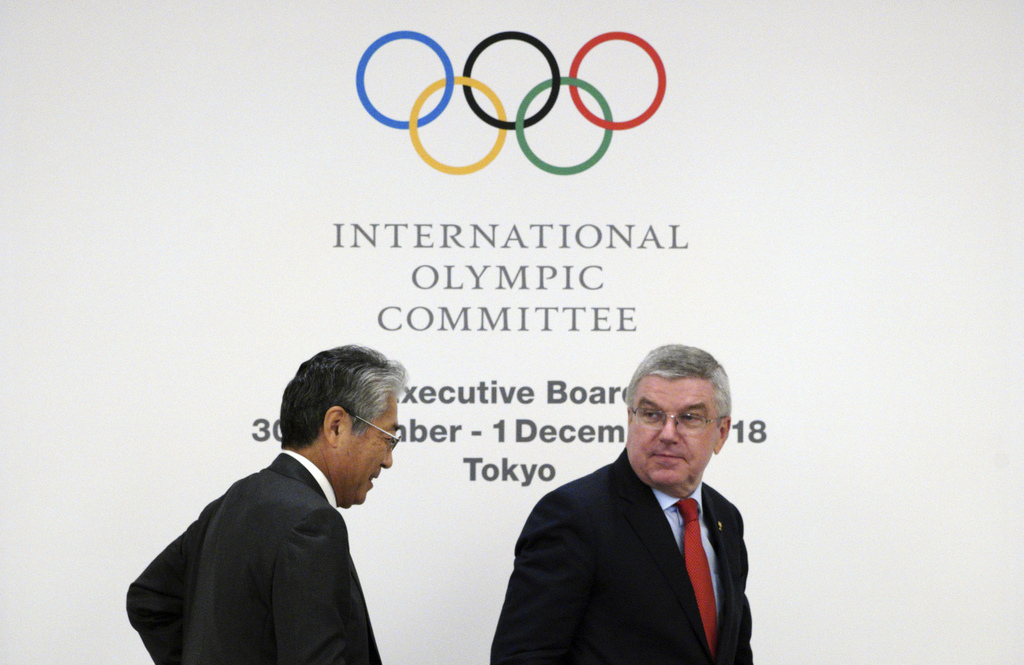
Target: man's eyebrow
x,y
699,406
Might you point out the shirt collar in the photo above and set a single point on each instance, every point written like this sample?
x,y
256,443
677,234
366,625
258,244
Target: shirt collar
x,y
318,475
666,501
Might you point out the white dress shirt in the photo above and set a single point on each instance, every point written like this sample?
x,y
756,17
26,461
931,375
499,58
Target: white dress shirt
x,y
318,475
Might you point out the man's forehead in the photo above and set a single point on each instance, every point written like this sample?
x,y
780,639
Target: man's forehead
x,y
685,392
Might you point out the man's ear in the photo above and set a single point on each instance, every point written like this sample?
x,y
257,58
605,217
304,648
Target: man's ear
x,y
336,426
724,425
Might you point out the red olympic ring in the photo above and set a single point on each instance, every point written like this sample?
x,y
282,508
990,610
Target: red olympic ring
x,y
658,65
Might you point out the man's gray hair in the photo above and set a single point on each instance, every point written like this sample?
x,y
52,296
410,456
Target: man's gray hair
x,y
358,379
675,361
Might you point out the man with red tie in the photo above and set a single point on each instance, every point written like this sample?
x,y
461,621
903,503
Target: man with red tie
x,y
639,562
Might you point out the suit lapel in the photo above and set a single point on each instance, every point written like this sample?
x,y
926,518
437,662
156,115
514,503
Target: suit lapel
x,y
374,654
729,615
645,516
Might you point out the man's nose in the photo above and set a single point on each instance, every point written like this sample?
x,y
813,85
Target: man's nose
x,y
670,430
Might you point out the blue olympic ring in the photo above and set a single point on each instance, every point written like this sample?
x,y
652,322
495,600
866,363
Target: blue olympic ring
x,y
449,78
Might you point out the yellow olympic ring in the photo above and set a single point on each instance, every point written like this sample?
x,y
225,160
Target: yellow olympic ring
x,y
415,135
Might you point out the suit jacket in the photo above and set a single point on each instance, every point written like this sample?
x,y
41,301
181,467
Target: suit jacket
x,y
262,576
599,578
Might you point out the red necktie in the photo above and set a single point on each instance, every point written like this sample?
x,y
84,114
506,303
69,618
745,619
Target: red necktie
x,y
700,572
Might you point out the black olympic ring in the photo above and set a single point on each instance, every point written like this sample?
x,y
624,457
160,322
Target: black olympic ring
x,y
555,77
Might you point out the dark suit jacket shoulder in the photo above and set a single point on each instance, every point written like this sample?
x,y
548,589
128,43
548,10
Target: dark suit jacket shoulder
x,y
599,578
262,576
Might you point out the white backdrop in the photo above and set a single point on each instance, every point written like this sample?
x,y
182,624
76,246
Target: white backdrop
x,y
845,177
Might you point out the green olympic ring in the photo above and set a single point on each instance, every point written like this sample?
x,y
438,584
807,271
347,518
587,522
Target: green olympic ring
x,y
521,129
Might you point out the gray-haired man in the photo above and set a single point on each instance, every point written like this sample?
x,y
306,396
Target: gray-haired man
x,y
638,562
264,574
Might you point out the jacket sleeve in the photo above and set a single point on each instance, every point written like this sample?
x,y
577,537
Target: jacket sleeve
x,y
550,585
744,654
156,604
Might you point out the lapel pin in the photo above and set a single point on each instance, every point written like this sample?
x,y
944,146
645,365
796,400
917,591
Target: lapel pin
x,y
719,526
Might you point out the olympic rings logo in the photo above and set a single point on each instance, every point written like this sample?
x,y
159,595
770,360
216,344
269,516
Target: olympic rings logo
x,y
501,122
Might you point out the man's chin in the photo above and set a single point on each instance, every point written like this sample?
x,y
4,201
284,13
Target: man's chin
x,y
672,469
356,500
672,482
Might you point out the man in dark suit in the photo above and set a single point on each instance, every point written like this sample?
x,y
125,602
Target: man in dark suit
x,y
617,567
264,575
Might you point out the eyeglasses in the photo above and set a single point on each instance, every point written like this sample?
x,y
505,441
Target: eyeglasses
x,y
392,439
655,418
